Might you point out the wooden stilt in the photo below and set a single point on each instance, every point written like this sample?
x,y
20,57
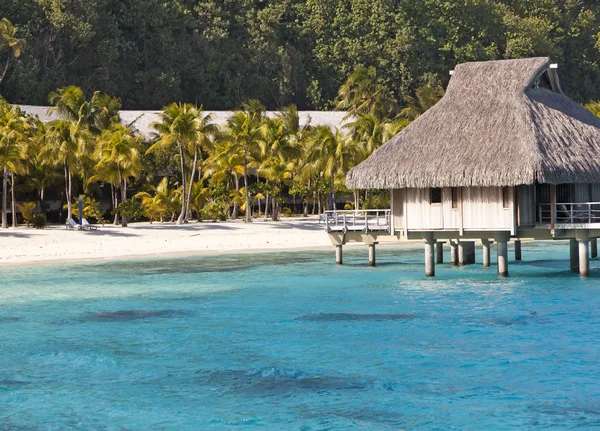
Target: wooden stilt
x,y
338,254
584,257
573,255
372,255
453,253
429,258
517,249
502,258
486,252
439,252
594,246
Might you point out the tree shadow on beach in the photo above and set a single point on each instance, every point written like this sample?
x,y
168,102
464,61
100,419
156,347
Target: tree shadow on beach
x,y
7,233
107,232
199,227
298,226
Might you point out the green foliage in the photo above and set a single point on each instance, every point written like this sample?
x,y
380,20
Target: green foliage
x,y
27,211
377,199
132,209
223,52
39,221
215,210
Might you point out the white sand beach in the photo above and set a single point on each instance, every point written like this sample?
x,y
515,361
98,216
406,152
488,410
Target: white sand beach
x,y
24,245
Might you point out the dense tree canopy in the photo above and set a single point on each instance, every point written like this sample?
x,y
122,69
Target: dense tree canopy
x,y
220,53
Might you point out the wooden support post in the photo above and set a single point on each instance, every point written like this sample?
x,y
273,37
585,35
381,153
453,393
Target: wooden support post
x,y
584,257
517,249
466,253
573,255
453,253
338,254
594,246
502,258
439,252
429,257
372,254
486,252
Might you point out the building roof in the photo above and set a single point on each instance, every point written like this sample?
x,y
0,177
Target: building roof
x,y
500,123
141,121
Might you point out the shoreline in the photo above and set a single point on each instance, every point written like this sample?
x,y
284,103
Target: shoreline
x,y
55,245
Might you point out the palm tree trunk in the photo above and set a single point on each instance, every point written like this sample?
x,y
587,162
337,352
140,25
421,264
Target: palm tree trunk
x,y
115,203
13,203
123,199
5,69
68,191
189,195
234,214
4,196
246,186
333,208
183,183
319,202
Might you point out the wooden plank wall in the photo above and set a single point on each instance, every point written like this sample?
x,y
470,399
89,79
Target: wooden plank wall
x,y
398,209
483,208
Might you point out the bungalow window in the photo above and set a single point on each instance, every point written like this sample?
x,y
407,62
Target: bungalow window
x,y
435,196
454,191
505,197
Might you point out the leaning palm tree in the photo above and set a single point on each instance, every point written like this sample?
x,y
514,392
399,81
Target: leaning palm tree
x,y
224,164
9,43
13,143
333,153
119,149
425,98
362,94
243,131
178,127
68,144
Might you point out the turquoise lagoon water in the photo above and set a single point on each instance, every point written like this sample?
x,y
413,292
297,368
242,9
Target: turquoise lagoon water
x,y
290,341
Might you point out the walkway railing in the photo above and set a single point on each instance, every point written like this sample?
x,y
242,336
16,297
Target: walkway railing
x,y
360,220
569,213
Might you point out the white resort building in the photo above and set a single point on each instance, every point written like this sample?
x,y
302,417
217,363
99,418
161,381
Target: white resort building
x,y
503,155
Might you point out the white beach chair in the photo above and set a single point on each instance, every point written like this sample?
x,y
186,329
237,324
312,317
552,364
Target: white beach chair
x,y
72,224
86,226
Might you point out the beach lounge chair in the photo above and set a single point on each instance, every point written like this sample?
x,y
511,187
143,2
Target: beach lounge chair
x,y
72,224
86,226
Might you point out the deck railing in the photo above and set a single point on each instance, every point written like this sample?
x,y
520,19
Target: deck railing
x,y
569,213
358,221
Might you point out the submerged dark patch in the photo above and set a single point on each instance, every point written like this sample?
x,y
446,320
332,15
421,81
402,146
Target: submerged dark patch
x,y
275,381
12,384
8,319
126,315
332,317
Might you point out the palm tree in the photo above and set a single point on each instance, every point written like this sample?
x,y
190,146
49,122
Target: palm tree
x,y
120,150
13,142
425,98
9,43
205,134
333,153
361,94
69,103
244,132
160,201
179,126
222,165
68,143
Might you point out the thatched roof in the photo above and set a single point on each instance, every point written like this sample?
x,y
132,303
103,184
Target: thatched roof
x,y
500,123
141,121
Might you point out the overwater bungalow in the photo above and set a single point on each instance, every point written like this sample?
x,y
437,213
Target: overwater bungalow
x,y
504,155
